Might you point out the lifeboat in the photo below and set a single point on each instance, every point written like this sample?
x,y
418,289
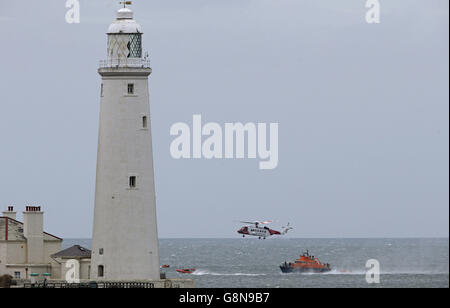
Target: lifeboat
x,y
305,264
186,270
165,266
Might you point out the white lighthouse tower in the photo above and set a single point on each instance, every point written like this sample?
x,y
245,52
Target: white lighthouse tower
x,y
125,240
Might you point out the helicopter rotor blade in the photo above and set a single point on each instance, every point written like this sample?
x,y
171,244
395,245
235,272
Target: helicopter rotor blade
x,y
257,222
265,222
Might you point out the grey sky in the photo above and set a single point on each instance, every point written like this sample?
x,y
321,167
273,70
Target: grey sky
x,y
363,113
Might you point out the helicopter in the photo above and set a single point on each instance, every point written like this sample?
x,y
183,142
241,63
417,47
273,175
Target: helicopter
x,y
254,228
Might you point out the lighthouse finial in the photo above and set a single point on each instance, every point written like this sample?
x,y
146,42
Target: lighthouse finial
x,y
125,3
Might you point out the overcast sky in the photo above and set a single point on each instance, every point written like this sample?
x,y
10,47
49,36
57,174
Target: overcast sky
x,y
363,113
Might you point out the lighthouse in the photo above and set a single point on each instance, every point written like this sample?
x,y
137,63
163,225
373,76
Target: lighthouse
x,y
125,239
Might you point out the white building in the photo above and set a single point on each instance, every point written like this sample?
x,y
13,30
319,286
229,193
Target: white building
x,y
76,253
25,248
125,239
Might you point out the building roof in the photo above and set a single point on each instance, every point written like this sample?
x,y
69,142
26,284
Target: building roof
x,y
124,23
76,251
11,229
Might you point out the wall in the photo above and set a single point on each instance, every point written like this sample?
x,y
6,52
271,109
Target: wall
x,y
2,257
16,252
52,247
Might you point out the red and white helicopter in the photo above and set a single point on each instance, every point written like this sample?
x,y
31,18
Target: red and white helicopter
x,y
254,229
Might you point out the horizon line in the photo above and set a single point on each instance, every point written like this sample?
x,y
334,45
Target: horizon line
x,y
207,238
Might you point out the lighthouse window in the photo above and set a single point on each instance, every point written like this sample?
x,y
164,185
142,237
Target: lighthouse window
x,y
132,182
130,88
100,251
134,46
101,90
144,121
100,271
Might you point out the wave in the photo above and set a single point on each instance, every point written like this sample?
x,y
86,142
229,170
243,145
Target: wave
x,y
400,272
201,272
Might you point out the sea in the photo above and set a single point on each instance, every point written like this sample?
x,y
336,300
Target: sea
x,y
253,263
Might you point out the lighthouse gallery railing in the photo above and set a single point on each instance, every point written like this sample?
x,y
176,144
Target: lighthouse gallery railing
x,y
128,62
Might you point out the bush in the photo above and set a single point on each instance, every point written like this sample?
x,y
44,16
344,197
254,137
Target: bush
x,y
5,281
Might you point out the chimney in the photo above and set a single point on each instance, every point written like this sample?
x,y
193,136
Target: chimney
x,y
33,230
10,213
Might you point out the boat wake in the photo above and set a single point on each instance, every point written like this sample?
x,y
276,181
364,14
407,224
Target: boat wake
x,y
201,272
362,272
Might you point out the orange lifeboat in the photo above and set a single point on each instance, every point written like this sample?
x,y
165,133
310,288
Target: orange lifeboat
x,y
186,270
305,264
